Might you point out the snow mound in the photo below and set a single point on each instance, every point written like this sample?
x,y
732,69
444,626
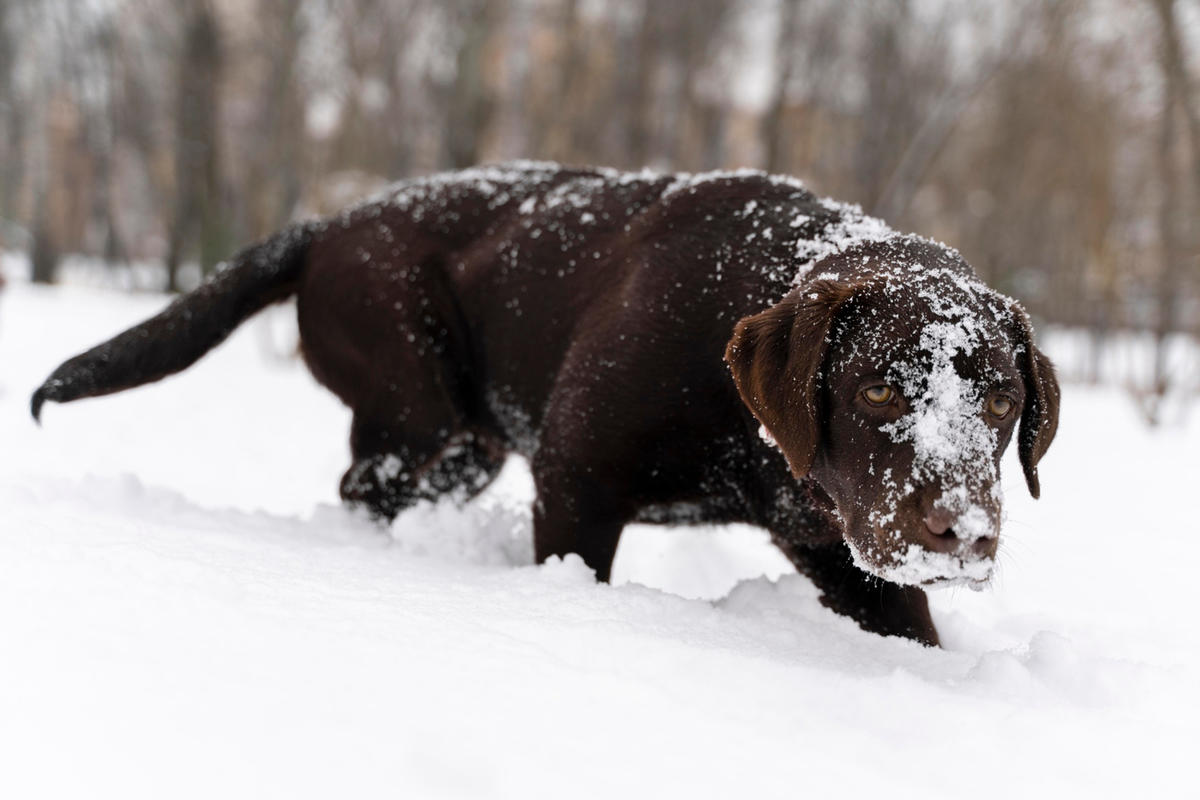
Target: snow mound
x,y
218,627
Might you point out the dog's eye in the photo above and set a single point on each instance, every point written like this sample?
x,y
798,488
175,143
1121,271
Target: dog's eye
x,y
879,395
999,405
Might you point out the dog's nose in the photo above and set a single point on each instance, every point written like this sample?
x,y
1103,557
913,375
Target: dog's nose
x,y
939,521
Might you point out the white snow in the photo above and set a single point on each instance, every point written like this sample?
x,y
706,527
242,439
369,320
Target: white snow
x,y
916,566
952,444
850,228
690,181
186,612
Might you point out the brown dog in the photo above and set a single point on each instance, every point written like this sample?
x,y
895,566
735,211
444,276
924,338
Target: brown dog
x,y
718,348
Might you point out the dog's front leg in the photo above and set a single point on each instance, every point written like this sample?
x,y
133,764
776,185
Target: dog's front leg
x,y
875,604
574,515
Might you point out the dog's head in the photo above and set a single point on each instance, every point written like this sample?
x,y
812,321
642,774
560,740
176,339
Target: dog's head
x,y
896,383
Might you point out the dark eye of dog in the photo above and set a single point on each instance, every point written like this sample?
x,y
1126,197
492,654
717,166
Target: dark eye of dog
x,y
999,405
879,395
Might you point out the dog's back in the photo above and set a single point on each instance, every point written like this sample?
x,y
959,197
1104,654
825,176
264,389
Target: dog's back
x,y
510,278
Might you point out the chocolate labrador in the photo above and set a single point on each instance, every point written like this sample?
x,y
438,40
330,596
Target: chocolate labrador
x,y
721,347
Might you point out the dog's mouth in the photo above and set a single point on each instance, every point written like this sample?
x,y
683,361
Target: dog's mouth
x,y
906,539
918,566
930,561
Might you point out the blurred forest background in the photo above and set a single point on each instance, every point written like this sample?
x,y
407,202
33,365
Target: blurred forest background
x,y
1056,143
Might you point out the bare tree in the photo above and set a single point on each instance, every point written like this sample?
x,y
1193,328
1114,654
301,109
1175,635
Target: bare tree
x,y
1179,143
786,47
275,167
640,81
196,219
12,129
470,105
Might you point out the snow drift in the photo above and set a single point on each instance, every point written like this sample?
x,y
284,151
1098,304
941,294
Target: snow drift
x,y
185,612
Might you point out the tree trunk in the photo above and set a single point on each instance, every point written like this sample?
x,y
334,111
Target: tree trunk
x,y
197,211
1173,235
12,128
471,106
773,134
640,125
44,254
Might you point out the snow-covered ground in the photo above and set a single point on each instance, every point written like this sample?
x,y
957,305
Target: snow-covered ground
x,y
186,612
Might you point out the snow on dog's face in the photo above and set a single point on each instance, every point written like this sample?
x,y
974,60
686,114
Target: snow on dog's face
x,y
896,382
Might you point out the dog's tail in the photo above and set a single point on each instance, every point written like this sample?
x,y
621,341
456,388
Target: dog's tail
x,y
192,325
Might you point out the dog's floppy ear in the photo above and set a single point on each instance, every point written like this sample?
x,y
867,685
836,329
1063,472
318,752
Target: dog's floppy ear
x,y
1039,420
775,357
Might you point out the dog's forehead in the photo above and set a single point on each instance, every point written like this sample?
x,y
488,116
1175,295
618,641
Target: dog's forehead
x,y
907,314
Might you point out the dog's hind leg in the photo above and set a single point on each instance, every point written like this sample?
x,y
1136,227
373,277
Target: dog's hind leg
x,y
386,335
